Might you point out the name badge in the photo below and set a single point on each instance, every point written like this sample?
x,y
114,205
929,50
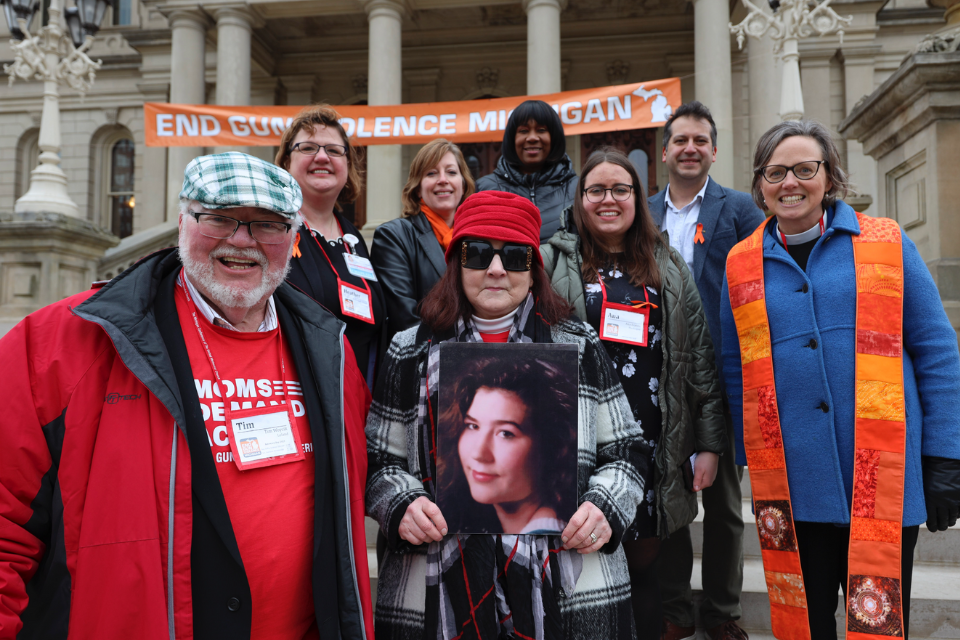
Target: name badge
x,y
359,266
263,437
355,302
621,323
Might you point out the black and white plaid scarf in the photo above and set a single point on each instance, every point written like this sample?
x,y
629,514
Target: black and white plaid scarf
x,y
487,587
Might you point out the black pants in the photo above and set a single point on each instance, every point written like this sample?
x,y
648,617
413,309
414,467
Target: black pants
x,y
823,558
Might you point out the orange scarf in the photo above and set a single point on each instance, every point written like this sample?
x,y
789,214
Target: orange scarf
x,y
440,227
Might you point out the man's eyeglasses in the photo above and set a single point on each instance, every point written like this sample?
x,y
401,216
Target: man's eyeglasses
x,y
312,149
620,192
774,173
214,225
478,254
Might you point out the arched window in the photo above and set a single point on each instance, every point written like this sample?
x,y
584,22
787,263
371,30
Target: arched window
x,y
28,157
120,189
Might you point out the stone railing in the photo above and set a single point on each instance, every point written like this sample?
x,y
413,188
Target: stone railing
x,y
137,246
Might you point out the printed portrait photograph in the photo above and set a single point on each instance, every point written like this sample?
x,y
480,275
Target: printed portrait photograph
x,y
507,437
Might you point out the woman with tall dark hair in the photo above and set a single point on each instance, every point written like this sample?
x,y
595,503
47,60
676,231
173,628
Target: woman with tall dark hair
x,y
507,434
525,586
610,262
534,163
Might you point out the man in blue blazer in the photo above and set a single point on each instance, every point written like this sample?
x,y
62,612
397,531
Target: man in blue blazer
x,y
704,221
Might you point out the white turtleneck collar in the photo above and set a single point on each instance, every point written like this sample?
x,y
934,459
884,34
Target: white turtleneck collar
x,y
496,325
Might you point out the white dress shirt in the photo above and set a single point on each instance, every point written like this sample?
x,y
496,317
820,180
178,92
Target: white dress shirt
x,y
681,224
269,319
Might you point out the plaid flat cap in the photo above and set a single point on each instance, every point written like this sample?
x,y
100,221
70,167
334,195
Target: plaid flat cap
x,y
235,179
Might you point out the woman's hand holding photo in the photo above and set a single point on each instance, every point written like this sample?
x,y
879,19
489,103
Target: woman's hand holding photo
x,y
705,470
587,530
423,522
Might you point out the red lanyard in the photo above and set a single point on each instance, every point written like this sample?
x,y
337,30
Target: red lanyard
x,y
330,262
634,303
783,236
206,346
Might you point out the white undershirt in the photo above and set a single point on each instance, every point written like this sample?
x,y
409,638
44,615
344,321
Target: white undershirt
x,y
681,224
496,325
269,319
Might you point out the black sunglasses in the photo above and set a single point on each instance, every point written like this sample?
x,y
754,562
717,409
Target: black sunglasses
x,y
478,254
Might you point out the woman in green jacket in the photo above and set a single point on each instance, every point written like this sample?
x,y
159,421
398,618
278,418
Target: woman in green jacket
x,y
610,262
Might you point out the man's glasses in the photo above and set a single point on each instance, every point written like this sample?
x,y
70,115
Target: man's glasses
x,y
774,173
214,225
478,254
312,149
620,192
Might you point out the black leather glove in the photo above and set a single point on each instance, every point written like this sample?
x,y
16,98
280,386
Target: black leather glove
x,y
941,489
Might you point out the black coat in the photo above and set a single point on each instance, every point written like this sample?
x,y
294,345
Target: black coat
x,y
552,190
311,274
409,261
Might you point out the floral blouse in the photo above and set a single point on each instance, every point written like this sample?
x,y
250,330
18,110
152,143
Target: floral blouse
x,y
639,370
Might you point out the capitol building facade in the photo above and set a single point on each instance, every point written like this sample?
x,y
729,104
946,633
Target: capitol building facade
x,y
876,86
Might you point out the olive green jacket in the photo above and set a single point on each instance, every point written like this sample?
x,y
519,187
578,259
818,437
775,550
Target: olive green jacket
x,y
689,393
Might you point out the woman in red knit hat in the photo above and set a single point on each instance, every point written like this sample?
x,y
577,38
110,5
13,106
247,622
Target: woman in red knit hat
x,y
486,586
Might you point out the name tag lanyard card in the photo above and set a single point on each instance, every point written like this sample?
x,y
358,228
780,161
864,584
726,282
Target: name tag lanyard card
x,y
260,437
354,301
626,323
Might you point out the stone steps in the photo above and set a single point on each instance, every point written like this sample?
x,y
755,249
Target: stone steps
x,y
935,601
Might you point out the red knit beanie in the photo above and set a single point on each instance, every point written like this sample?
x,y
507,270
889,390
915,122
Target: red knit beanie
x,y
497,215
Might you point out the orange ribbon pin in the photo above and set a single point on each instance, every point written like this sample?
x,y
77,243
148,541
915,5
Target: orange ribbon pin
x,y
296,247
698,239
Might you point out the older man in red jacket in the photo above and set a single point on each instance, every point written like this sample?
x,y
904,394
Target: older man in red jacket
x,y
183,450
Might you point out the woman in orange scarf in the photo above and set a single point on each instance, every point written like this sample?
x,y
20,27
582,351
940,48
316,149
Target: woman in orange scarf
x,y
408,252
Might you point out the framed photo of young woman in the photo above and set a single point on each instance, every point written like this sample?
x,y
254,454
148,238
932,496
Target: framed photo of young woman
x,y
507,437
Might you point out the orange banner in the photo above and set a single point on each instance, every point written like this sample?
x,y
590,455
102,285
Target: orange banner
x,y
619,108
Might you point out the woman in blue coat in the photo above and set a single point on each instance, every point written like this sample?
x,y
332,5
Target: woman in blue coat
x,y
810,292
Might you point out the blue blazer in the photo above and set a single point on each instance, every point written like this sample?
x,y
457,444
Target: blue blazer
x,y
727,217
815,380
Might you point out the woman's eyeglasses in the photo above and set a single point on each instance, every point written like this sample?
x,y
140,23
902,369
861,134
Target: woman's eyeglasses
x,y
774,173
620,192
478,254
312,149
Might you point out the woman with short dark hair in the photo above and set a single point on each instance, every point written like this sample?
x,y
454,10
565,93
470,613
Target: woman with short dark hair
x,y
843,377
534,163
523,586
330,260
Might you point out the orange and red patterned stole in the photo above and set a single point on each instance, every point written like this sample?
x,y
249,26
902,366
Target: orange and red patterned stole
x,y
874,605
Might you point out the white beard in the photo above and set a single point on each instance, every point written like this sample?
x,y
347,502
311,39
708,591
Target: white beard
x,y
201,274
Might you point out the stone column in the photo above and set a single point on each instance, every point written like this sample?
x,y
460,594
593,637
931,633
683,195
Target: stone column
x,y
711,51
543,45
187,86
234,29
862,169
763,76
384,179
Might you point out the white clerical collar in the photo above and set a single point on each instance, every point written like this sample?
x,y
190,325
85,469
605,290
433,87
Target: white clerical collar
x,y
497,325
269,319
699,197
812,233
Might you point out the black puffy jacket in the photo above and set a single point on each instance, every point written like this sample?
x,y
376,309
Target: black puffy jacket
x,y
552,189
408,260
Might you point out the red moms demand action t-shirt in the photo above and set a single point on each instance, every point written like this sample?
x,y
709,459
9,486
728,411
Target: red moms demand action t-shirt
x,y
271,508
